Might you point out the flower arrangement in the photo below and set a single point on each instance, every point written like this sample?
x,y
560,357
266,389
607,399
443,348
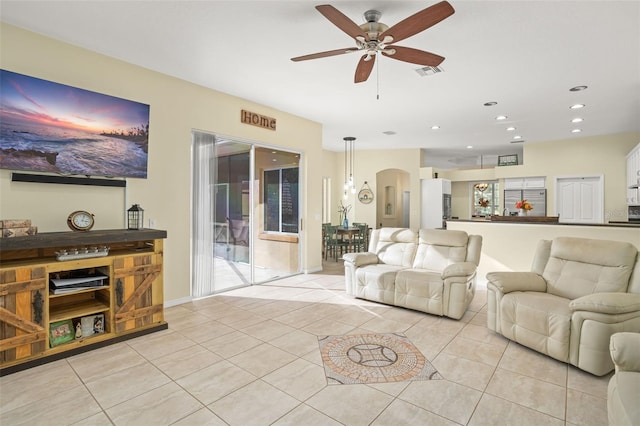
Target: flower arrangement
x,y
483,202
344,211
524,205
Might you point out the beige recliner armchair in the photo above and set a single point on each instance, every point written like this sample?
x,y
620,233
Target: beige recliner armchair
x,y
623,394
579,292
432,271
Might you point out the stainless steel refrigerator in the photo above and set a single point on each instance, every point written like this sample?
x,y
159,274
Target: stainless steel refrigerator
x,y
536,197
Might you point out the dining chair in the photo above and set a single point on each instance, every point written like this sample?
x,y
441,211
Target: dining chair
x,y
330,241
361,240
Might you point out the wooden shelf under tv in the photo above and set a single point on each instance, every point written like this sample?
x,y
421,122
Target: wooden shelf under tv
x,y
131,301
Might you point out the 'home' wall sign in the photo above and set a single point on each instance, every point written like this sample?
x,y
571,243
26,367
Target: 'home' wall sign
x,y
258,120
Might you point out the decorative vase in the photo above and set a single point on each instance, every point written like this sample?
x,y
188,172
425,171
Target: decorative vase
x,y
522,212
345,223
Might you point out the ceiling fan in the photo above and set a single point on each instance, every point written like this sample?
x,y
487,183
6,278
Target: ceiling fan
x,y
374,37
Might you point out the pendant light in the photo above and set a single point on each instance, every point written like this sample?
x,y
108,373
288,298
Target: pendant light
x,y
349,166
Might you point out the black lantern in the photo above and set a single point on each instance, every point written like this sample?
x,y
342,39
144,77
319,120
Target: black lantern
x,y
135,217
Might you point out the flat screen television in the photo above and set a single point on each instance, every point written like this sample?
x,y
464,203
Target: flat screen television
x,y
52,127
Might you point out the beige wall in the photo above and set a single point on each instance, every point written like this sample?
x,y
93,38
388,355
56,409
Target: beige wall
x,y
599,155
511,247
177,107
368,165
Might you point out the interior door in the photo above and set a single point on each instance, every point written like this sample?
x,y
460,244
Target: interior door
x,y
580,199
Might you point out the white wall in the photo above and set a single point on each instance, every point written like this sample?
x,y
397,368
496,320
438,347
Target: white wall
x,y
177,107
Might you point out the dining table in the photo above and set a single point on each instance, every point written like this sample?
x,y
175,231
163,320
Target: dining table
x,y
348,234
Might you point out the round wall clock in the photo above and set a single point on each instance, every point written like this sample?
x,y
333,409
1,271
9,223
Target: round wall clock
x,y
80,220
365,196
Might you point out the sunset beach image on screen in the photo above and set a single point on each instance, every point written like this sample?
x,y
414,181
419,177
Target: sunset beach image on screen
x,y
52,127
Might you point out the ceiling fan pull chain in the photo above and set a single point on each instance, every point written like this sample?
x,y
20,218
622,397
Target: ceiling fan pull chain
x,y
378,80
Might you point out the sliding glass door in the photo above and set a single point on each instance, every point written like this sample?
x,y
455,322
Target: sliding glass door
x,y
245,214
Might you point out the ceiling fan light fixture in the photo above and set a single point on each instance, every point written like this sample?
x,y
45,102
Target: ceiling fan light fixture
x,y
425,71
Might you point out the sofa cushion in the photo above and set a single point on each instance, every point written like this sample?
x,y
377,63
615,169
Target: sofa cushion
x,y
579,266
438,248
420,290
540,321
395,246
377,282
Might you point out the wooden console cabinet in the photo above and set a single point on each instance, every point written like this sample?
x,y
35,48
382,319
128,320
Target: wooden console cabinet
x,y
130,298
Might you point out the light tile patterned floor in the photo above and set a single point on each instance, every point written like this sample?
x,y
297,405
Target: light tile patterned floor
x,y
251,357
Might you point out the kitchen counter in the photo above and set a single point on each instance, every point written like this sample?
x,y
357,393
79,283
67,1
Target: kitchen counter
x,y
542,220
510,245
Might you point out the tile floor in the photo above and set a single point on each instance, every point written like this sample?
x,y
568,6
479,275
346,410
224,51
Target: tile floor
x,y
251,357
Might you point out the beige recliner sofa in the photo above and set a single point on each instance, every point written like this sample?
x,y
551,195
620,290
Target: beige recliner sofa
x,y
579,292
623,396
432,271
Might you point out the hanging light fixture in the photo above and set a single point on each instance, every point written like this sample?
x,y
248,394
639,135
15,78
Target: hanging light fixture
x,y
482,186
349,166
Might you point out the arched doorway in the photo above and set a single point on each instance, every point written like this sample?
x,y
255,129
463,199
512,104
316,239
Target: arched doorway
x,y
393,193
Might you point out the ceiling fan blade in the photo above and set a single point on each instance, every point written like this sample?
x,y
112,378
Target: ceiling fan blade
x,y
414,56
325,54
363,70
419,21
341,21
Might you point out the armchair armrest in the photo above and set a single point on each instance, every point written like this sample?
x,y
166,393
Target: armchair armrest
x,y
508,281
607,303
624,348
361,259
459,269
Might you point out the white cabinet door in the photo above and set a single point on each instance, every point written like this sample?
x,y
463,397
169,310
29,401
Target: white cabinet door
x,y
534,182
514,183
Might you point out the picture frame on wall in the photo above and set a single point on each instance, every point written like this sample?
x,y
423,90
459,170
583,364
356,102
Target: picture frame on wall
x,y
508,160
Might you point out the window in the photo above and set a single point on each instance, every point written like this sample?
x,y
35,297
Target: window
x,y
281,200
485,198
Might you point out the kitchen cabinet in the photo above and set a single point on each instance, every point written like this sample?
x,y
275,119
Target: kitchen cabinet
x,y
535,182
121,295
633,176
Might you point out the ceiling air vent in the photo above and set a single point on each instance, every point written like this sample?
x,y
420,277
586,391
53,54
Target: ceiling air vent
x,y
389,132
425,71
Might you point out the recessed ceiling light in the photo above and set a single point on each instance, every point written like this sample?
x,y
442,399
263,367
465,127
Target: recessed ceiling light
x,y
577,120
577,88
501,117
274,160
510,129
577,106
517,137
469,146
576,130
436,127
492,103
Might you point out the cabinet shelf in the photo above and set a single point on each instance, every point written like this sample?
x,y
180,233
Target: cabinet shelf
x,y
77,310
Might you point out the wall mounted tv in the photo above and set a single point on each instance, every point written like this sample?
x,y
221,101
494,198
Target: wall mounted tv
x,y
51,127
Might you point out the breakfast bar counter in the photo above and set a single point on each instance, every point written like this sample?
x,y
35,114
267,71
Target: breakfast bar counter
x,y
510,245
